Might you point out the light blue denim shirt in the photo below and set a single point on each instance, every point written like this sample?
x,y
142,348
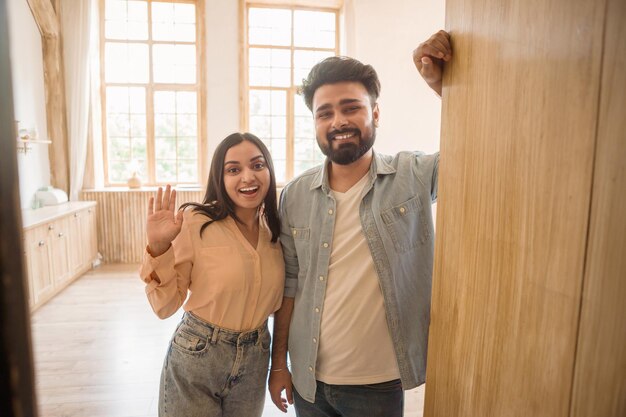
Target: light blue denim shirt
x,y
396,218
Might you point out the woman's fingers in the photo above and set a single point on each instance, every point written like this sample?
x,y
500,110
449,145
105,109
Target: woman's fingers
x,y
159,198
172,204
166,197
150,206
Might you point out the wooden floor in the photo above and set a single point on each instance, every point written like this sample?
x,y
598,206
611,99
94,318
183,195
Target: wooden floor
x,y
98,350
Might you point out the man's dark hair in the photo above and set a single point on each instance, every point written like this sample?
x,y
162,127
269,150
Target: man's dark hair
x,y
336,69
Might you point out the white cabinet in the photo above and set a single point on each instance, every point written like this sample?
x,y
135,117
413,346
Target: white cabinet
x,y
59,244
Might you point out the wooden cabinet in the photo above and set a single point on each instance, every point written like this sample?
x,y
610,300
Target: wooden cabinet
x,y
59,244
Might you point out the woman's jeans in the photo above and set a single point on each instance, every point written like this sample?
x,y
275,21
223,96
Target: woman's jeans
x,y
374,400
209,371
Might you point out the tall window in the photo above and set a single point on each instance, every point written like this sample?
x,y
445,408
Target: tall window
x,y
282,45
151,78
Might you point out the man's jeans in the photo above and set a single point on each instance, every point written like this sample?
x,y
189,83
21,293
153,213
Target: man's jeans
x,y
374,400
210,371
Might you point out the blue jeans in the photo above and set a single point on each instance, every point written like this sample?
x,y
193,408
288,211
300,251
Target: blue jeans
x,y
209,371
374,400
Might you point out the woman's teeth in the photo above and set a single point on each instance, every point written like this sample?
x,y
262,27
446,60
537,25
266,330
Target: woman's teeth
x,y
248,190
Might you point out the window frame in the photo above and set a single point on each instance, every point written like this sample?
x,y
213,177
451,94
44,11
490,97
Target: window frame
x,y
151,87
292,90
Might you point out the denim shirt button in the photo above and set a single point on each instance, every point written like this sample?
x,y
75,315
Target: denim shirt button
x,y
317,310
402,210
330,211
310,368
325,244
314,340
321,278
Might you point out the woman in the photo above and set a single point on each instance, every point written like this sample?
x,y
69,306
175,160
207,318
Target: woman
x,y
225,253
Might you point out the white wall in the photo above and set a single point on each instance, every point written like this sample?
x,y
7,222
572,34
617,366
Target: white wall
x,y
384,35
222,64
29,99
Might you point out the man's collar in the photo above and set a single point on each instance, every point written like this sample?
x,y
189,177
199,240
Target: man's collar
x,y
379,167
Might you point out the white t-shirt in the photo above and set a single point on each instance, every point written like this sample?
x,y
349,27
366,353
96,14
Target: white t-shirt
x,y
355,345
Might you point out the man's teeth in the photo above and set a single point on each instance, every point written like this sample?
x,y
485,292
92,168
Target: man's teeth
x,y
344,136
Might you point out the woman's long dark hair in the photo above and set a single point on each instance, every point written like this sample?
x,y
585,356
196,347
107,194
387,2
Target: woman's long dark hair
x,y
217,205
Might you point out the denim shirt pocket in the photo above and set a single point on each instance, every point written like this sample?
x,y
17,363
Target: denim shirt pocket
x,y
406,224
301,240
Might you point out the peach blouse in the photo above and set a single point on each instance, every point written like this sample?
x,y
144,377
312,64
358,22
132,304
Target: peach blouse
x,y
229,282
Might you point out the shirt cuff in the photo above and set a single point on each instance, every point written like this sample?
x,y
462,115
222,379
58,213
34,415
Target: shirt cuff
x,y
150,264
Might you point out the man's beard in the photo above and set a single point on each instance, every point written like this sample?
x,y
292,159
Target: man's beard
x,y
347,153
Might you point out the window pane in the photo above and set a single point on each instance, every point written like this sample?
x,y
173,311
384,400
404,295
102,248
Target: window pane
x,y
279,127
269,67
164,102
187,170
278,148
118,125
314,29
301,166
164,147
260,126
166,170
137,96
186,125
115,10
259,101
174,22
126,20
279,103
117,100
280,170
118,171
174,63
164,125
303,61
186,102
119,149
138,125
269,26
138,149
304,127
126,62
300,108
187,148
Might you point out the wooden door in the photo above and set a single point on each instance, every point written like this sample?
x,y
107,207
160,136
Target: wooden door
x,y
517,184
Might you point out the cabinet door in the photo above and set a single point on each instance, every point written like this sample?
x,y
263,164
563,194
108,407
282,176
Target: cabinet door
x,y
59,250
90,237
77,245
40,280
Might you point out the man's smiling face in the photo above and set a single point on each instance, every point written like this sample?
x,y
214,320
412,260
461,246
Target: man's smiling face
x,y
345,121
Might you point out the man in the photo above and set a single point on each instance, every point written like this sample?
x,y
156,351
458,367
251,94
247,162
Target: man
x,y
358,244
